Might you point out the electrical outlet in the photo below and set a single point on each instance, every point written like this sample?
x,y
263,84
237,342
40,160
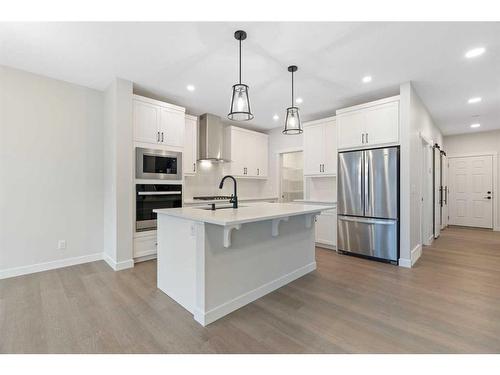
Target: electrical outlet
x,y
61,245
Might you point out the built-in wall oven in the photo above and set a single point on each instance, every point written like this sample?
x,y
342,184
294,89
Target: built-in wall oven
x,y
158,164
152,197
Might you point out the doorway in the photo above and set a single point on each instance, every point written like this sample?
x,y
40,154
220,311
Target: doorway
x,y
291,176
471,191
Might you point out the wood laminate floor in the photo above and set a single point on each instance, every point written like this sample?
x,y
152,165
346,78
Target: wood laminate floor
x,y
449,302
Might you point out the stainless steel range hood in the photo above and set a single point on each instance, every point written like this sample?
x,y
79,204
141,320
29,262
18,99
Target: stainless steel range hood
x,y
211,138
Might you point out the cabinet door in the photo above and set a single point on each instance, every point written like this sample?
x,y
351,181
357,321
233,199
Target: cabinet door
x,y
350,129
241,151
382,124
330,140
314,149
325,228
261,154
146,122
172,127
190,155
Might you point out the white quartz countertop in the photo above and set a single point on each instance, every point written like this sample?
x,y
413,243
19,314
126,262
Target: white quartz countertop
x,y
242,199
245,213
315,201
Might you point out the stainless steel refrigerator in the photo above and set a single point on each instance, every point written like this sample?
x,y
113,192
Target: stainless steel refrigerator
x,y
368,203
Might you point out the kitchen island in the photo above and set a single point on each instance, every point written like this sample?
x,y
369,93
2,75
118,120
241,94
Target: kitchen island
x,y
214,262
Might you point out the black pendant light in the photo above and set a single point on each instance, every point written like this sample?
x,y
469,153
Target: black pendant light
x,y
240,103
292,122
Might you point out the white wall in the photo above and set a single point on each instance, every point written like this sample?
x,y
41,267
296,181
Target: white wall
x,y
51,173
473,143
415,121
118,187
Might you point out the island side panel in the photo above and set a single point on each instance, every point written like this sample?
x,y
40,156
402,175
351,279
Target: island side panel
x,y
255,264
176,262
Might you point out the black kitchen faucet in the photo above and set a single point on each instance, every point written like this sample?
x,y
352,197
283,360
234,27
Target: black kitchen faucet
x,y
234,197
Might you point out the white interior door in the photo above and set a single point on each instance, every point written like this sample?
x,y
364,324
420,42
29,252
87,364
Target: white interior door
x,y
471,191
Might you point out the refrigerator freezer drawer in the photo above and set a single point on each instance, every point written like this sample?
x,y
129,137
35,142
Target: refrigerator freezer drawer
x,y
372,237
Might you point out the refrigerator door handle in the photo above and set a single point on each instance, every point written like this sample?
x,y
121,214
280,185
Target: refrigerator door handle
x,y
366,177
367,221
362,182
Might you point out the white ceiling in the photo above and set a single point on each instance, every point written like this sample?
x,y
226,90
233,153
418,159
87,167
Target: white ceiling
x,y
162,58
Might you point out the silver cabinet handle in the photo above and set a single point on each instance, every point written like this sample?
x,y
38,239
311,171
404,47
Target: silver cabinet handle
x,y
194,167
258,172
158,137
363,138
366,137
162,136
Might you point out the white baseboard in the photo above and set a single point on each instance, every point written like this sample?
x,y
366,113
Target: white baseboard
x,y
326,246
240,301
415,254
118,266
403,262
46,266
144,258
429,241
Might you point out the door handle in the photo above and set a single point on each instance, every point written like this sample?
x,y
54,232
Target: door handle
x,y
488,197
258,172
363,138
162,136
194,167
158,137
366,137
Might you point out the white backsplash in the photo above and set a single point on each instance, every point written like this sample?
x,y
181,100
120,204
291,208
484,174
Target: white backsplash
x,y
207,179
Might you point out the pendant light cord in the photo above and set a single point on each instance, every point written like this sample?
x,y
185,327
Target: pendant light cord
x,y
240,61
292,88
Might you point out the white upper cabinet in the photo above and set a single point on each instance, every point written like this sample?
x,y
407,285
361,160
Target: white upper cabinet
x,y
247,151
172,124
190,152
158,122
369,125
146,119
320,148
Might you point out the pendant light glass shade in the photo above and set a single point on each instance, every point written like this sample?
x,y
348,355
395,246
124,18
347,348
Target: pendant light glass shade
x,y
292,120
240,103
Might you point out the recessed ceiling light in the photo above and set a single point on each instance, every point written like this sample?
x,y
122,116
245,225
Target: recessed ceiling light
x,y
276,117
475,52
367,79
477,125
190,87
298,100
476,99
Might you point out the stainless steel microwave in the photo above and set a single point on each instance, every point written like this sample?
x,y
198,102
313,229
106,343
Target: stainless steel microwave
x,y
158,164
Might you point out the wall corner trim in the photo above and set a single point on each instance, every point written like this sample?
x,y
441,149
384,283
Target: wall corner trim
x,y
416,253
118,266
403,262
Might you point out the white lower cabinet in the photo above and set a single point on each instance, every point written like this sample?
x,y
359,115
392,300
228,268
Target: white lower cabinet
x,y
326,228
145,244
